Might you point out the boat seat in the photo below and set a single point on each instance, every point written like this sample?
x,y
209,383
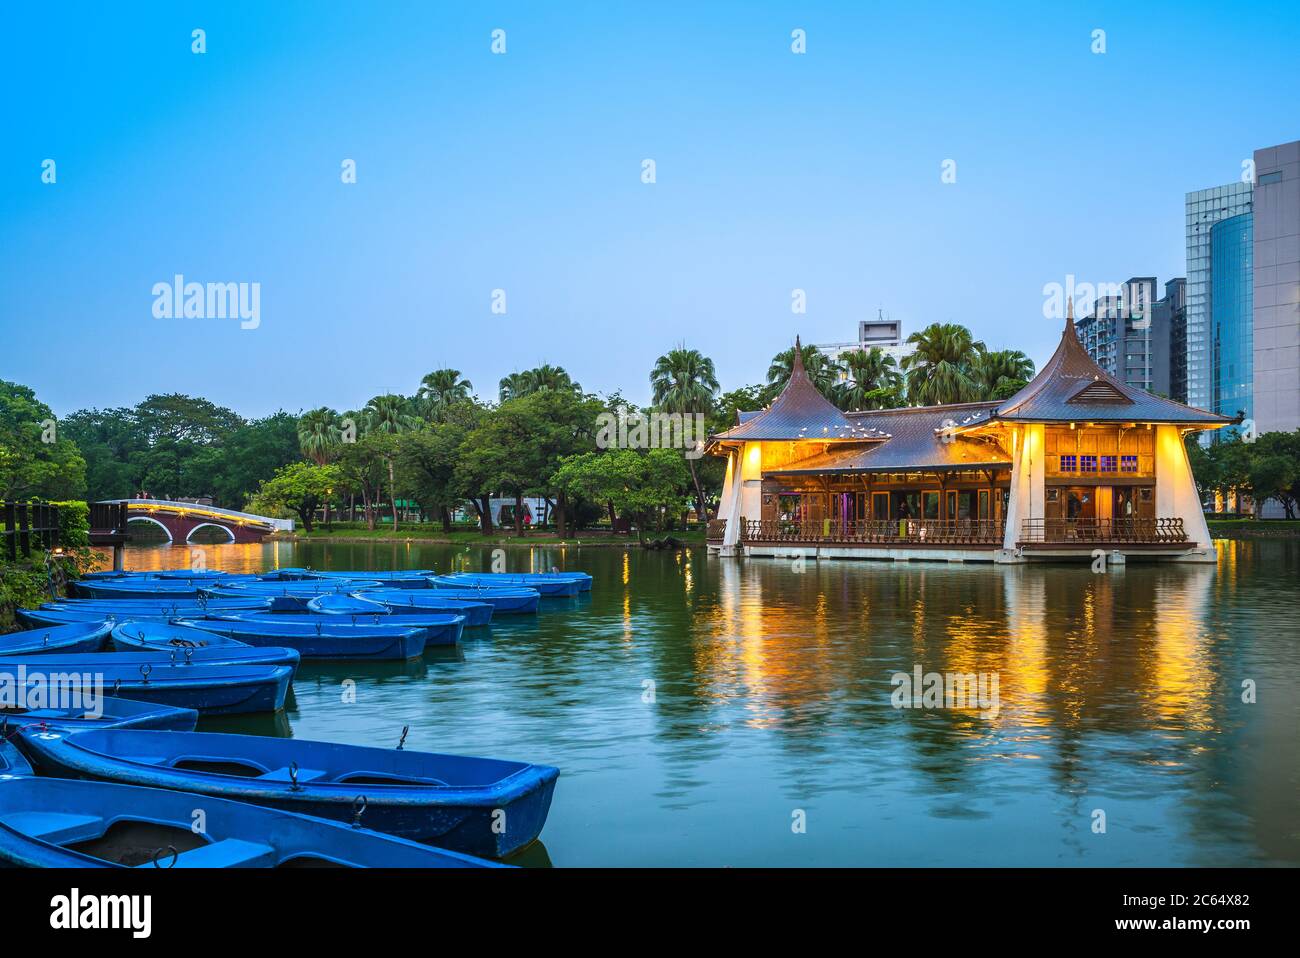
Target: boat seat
x,y
282,775
57,828
227,853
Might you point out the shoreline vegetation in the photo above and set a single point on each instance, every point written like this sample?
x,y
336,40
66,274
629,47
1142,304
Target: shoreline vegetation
x,y
346,532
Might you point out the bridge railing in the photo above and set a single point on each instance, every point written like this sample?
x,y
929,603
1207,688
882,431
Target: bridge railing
x,y
141,506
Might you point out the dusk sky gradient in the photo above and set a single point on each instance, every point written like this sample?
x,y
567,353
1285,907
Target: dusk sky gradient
x,y
523,172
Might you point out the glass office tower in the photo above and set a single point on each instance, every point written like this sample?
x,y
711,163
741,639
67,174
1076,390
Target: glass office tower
x,y
1231,303
1205,208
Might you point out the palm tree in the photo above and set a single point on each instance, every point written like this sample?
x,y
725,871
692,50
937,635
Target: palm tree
x,y
870,371
390,414
441,389
513,386
684,381
822,371
1000,373
940,369
536,380
319,435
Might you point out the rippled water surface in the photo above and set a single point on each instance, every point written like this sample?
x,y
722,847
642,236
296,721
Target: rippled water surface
x,y
699,708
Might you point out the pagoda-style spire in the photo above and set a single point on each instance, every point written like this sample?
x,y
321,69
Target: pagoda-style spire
x,y
796,364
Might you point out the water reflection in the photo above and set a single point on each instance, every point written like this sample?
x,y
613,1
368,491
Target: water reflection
x,y
694,703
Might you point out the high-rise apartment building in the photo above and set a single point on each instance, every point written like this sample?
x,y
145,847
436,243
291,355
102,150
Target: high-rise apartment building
x,y
1123,336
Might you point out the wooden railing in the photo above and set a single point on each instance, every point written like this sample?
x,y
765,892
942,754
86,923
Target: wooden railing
x,y
1103,530
910,531
27,524
716,529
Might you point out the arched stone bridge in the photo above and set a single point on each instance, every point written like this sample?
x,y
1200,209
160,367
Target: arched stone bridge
x,y
180,520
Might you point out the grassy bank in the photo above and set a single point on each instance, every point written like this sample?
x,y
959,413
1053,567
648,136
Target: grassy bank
x,y
425,533
1254,528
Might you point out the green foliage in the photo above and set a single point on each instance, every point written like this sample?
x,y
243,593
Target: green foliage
x,y
641,486
874,381
1268,468
363,467
300,487
822,371
177,446
37,459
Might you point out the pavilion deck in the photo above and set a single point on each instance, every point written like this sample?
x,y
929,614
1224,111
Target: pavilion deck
x,y
1082,533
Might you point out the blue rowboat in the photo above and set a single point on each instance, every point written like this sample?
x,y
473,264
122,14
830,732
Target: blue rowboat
x,y
481,806
61,823
309,588
165,636
46,618
161,605
140,589
402,602
78,637
547,586
211,689
398,579
12,761
109,712
440,628
584,578
503,601
318,639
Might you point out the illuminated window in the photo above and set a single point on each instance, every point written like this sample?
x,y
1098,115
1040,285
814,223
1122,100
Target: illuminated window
x,y
1128,463
1069,463
1108,463
1087,463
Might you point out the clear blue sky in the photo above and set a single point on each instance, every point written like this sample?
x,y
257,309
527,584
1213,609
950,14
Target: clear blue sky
x,y
523,172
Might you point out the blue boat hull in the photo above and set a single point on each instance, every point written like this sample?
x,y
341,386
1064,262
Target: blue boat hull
x,y
56,639
340,642
478,806
548,586
12,762
412,602
209,689
503,601
113,713
61,823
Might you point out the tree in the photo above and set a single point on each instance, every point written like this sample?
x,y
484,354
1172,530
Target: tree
x,y
426,467
361,467
175,429
35,460
874,380
939,371
390,414
299,487
641,486
684,382
1274,469
1001,373
823,371
538,379
440,390
319,434
231,470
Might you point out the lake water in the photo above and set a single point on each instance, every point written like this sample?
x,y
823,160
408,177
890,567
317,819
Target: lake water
x,y
721,712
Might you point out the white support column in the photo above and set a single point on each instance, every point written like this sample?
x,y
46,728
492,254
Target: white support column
x,y
730,506
1028,489
1176,496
